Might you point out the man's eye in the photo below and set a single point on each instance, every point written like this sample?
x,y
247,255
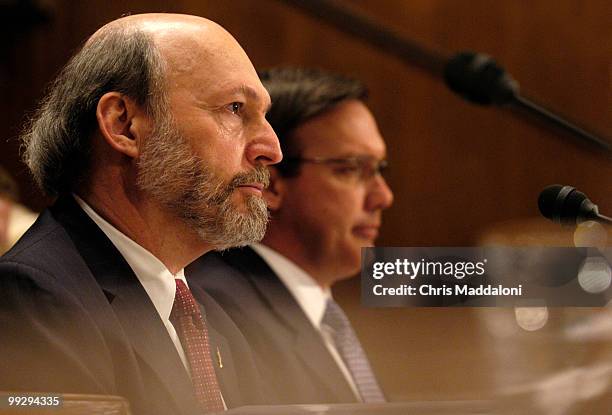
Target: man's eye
x,y
235,107
347,170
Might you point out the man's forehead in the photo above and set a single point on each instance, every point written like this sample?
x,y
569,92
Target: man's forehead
x,y
186,50
211,66
348,129
337,145
254,91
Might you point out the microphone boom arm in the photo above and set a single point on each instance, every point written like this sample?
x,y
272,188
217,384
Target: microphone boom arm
x,y
434,62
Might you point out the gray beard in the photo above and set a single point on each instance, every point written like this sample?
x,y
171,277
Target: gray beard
x,y
182,183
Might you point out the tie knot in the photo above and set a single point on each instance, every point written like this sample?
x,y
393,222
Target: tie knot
x,y
184,303
334,317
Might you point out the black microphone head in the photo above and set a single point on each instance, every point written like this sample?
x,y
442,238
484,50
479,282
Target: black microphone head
x,y
478,78
565,205
546,200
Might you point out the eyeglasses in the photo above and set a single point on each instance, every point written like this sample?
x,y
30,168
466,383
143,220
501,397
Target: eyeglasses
x,y
361,167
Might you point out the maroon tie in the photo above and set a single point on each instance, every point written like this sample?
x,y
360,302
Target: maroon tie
x,y
191,328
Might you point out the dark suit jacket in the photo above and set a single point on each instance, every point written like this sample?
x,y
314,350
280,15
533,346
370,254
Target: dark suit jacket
x,y
293,360
74,318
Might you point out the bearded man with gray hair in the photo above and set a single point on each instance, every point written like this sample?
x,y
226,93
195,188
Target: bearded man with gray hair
x,y
155,142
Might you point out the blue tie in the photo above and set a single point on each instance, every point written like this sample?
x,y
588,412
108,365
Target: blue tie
x,y
352,353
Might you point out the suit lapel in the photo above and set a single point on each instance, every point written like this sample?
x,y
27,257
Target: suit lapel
x,y
307,341
324,367
130,302
151,342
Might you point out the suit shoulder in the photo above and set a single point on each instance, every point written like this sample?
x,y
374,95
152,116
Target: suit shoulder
x,y
38,238
44,250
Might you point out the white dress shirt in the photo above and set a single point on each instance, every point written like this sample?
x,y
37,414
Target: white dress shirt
x,y
155,278
311,298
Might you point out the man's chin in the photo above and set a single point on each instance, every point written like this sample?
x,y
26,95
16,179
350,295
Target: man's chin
x,y
243,200
353,259
235,240
364,242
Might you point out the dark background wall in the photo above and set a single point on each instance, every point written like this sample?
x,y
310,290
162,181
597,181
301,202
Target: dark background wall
x,y
457,170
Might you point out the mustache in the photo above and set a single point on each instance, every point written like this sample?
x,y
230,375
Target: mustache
x,y
259,174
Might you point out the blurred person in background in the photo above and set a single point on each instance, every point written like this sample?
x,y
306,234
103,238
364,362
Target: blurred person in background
x,y
15,218
325,199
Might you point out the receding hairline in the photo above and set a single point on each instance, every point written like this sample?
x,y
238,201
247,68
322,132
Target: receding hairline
x,y
157,25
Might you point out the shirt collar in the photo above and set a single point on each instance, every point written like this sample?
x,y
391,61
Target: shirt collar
x,y
157,281
311,298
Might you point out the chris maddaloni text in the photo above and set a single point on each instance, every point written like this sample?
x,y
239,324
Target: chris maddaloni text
x,y
429,290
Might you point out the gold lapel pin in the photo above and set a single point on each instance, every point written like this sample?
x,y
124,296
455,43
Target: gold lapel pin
x,y
219,359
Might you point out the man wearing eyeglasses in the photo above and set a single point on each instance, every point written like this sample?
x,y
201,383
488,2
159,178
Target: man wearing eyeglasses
x,y
325,199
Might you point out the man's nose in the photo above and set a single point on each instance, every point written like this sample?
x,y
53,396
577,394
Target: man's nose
x,y
380,195
264,149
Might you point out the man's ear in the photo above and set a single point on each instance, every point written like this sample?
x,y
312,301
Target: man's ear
x,y
122,122
274,193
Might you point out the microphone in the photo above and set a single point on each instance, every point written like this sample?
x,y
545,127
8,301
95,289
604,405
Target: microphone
x,y
479,79
568,206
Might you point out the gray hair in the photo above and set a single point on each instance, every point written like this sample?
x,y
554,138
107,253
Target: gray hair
x,y
56,142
